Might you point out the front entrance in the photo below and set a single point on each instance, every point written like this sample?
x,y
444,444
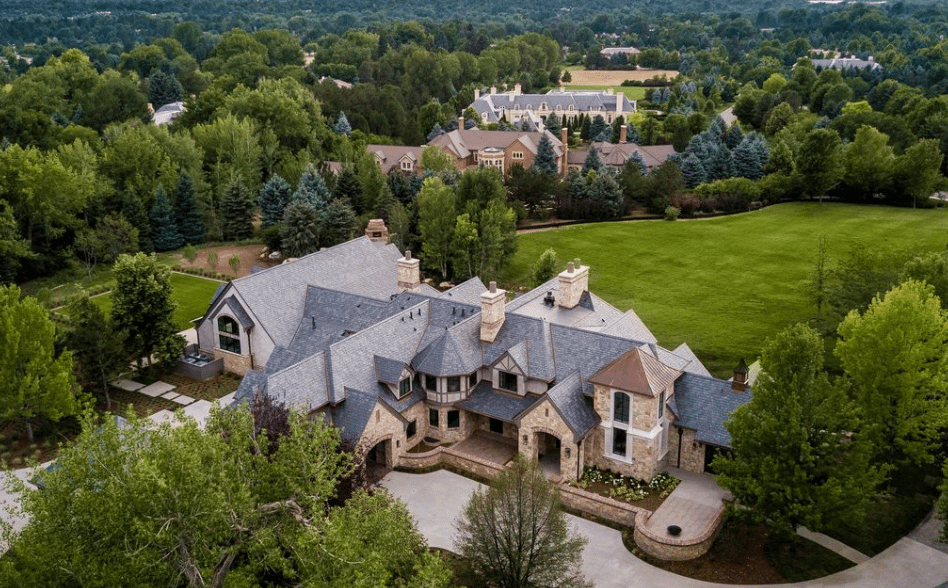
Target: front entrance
x,y
710,452
379,455
548,454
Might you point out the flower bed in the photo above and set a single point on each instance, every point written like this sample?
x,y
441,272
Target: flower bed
x,y
648,495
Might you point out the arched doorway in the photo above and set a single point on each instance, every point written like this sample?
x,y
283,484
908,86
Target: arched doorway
x,y
548,453
378,460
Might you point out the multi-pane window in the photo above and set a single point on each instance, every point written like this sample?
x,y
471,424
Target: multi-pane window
x,y
507,381
620,407
228,334
404,387
661,404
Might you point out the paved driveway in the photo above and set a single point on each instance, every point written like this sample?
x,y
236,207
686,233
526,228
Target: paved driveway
x,y
436,500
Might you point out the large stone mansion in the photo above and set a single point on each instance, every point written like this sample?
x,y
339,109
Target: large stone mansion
x,y
353,333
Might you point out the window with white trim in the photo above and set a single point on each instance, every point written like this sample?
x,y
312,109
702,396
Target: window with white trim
x,y
619,441
517,155
228,334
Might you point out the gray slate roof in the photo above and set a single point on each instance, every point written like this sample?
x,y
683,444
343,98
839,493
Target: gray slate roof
x,y
468,292
389,371
567,396
703,404
239,313
506,407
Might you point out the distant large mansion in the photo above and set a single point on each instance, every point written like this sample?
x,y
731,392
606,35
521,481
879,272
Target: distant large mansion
x,y
514,106
353,334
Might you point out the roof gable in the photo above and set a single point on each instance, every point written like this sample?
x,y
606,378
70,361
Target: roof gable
x,y
636,371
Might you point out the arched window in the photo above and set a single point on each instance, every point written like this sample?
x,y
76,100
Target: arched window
x,y
228,334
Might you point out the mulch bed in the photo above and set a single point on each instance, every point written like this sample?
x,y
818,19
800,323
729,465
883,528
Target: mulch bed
x,y
738,556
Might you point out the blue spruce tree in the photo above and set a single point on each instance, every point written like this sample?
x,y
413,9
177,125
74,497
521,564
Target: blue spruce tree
x,y
274,196
164,231
637,159
592,161
188,215
311,189
342,125
545,160
693,171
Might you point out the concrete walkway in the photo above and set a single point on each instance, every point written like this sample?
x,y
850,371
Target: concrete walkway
x,y
436,499
833,545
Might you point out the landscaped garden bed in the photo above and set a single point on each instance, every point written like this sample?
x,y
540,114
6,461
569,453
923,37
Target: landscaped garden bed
x,y
648,495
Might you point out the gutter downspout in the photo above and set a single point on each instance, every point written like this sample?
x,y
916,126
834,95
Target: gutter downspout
x,y
680,433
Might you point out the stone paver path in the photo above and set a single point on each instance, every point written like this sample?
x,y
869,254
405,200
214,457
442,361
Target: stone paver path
x,y
157,389
127,385
182,399
437,498
490,446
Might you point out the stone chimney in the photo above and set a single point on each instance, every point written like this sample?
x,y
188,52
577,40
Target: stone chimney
x,y
493,90
376,231
477,93
623,133
739,382
460,123
564,139
573,282
409,274
492,312
620,102
517,89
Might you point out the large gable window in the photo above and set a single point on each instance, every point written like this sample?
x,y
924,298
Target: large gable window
x,y
507,381
228,334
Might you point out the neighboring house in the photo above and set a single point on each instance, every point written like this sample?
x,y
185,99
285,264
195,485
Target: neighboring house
x,y
515,106
614,155
168,113
352,334
401,157
611,51
500,149
847,63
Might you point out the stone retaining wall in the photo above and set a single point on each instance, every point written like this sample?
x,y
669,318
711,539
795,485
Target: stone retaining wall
x,y
658,543
603,507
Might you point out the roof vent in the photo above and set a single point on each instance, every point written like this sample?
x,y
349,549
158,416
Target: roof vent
x,y
549,300
314,321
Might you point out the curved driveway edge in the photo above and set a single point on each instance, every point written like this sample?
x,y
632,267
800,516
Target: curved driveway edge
x,y
437,498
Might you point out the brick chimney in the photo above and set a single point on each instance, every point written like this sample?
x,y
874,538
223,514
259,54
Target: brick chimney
x,y
573,282
564,139
376,231
623,133
460,123
739,382
493,303
409,274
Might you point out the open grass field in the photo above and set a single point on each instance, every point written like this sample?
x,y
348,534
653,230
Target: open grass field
x,y
587,79
192,294
724,285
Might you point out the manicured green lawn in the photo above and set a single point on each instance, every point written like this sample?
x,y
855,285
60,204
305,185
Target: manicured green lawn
x,y
631,92
724,285
192,294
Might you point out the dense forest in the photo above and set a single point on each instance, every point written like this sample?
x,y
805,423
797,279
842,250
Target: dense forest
x,y
84,176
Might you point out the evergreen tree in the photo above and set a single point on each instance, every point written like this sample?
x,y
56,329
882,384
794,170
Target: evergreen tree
x,y
163,88
274,196
301,230
734,137
592,161
632,133
164,231
348,188
693,171
605,194
237,212
187,212
436,131
311,189
746,160
98,349
342,125
553,124
584,128
134,212
605,135
720,165
596,128
636,158
339,223
545,160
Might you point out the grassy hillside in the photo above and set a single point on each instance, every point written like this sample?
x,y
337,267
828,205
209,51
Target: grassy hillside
x,y
724,285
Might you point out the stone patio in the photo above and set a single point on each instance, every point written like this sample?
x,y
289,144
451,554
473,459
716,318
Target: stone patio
x,y
694,506
487,446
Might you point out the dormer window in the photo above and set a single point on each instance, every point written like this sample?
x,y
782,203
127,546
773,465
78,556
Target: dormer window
x,y
406,166
228,334
543,106
507,381
404,387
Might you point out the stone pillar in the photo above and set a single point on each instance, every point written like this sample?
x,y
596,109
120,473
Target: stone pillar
x,y
409,274
573,282
376,231
493,304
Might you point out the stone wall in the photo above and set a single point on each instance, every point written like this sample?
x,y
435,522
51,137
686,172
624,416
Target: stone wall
x,y
606,508
644,412
442,432
383,425
233,363
692,452
663,546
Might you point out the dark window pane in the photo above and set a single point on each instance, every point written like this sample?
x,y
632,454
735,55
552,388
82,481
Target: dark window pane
x,y
411,430
620,411
431,382
496,426
225,324
618,441
508,381
454,419
472,380
433,417
231,344
454,384
404,387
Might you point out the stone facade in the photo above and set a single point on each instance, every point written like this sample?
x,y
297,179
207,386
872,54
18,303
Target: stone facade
x,y
409,274
492,312
573,282
467,424
545,419
692,451
233,363
376,231
384,426
666,547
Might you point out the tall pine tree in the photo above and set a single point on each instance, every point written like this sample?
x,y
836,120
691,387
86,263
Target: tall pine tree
x,y
188,215
164,231
693,171
237,212
545,160
311,189
592,161
274,196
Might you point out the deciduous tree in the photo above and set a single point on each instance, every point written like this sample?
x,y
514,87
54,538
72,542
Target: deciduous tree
x,y
437,213
515,535
98,350
796,459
